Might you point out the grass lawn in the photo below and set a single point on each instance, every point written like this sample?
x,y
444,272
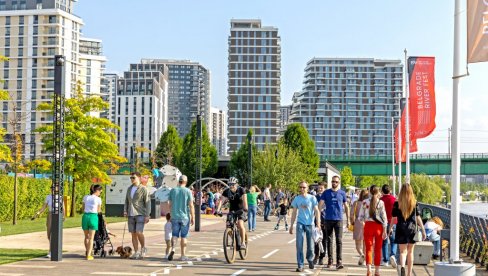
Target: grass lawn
x,y
15,255
29,226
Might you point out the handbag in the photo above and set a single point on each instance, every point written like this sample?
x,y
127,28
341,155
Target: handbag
x,y
418,234
377,216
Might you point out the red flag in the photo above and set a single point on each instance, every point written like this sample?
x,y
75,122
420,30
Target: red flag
x,y
421,105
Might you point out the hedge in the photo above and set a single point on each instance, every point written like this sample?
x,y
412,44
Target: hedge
x,y
31,195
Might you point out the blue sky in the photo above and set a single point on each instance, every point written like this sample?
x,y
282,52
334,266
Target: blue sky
x,y
198,30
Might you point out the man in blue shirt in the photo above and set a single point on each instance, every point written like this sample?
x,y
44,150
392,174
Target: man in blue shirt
x,y
334,200
305,206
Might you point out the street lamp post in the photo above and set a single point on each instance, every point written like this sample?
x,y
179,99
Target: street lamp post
x,y
198,174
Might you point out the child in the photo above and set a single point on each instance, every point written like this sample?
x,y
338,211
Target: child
x,y
282,211
167,234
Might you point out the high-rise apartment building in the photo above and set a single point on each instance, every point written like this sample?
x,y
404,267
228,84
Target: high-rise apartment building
x,y
347,104
92,66
141,108
109,94
254,83
285,111
217,131
188,93
31,33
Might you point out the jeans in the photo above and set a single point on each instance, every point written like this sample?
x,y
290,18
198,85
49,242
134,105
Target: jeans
x,y
324,244
436,241
392,248
251,217
301,228
336,226
267,209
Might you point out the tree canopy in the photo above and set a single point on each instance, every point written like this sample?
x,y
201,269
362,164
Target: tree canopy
x,y
169,147
296,137
4,149
347,179
239,162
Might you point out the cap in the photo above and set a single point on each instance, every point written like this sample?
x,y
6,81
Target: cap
x,y
183,178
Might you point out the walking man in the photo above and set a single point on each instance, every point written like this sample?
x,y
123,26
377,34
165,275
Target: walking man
x,y
335,201
389,247
267,202
278,197
305,206
318,255
182,215
137,208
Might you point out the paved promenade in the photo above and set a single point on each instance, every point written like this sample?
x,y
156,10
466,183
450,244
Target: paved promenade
x,y
271,253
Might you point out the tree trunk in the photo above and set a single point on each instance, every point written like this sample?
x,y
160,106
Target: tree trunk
x,y
73,198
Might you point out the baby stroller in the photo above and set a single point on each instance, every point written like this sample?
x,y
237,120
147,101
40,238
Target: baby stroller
x,y
102,239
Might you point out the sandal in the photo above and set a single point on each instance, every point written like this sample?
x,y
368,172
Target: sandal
x,y
377,273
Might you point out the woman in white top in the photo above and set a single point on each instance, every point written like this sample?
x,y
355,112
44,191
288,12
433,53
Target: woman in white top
x,y
372,213
92,205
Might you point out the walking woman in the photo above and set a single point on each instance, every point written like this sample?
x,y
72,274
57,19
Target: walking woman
x,y
252,203
92,205
357,234
408,222
373,214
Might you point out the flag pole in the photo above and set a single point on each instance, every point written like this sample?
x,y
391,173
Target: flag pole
x,y
455,144
393,154
407,122
399,151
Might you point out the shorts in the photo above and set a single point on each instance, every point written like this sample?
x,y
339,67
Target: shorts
x,y
180,227
89,221
136,223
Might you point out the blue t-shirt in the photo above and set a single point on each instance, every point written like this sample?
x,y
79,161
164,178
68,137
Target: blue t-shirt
x,y
322,212
305,205
333,204
180,197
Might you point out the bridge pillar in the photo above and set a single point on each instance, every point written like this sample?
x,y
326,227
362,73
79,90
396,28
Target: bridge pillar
x,y
461,269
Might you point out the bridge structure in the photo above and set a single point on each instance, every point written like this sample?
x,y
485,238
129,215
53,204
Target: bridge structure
x,y
430,164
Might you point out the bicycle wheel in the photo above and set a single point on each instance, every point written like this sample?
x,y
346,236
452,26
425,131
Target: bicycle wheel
x,y
229,246
243,252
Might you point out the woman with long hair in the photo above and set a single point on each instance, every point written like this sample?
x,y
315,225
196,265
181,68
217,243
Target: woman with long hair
x,y
373,214
252,202
357,233
408,221
92,205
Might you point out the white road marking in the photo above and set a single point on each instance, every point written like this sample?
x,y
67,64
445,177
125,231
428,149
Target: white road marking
x,y
190,263
238,272
206,256
166,271
214,253
198,259
270,253
117,273
10,274
292,240
28,266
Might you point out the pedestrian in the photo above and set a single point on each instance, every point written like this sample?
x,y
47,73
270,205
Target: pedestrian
x,y
267,202
335,202
282,212
373,215
358,230
182,216
432,230
168,234
48,204
319,256
279,195
92,205
252,198
389,247
304,210
137,209
408,221
210,200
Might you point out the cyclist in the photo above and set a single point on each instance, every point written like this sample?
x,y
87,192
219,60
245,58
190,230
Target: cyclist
x,y
237,198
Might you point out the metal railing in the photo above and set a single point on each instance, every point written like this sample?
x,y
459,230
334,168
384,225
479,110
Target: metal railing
x,y
423,156
474,233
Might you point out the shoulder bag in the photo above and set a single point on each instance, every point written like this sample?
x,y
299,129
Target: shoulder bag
x,y
418,233
377,215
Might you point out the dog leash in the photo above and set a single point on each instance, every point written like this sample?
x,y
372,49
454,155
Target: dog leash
x,y
123,234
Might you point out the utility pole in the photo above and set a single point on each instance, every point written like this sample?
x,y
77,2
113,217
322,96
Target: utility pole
x,y
249,159
198,174
393,154
449,141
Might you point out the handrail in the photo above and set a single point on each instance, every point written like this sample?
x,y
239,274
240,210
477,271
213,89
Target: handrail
x,y
474,232
420,156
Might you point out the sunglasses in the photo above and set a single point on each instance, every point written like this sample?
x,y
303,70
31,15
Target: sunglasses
x,y
132,177
302,187
335,181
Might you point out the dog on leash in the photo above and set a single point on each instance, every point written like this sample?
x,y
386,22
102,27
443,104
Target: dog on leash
x,y
124,252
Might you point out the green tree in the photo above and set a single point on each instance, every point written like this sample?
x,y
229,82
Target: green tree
x,y
169,147
4,149
296,137
280,166
445,187
239,161
89,141
39,165
368,180
346,177
425,189
187,162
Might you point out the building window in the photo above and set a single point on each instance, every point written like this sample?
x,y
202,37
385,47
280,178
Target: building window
x,y
21,20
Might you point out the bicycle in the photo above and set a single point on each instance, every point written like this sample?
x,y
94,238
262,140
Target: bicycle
x,y
232,239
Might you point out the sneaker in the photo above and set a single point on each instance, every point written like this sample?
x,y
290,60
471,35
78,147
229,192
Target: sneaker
x,y
299,269
165,257
89,258
277,227
136,256
339,265
402,271
185,258
171,254
321,261
329,264
361,260
48,255
315,259
393,262
243,246
143,252
383,263
286,227
311,265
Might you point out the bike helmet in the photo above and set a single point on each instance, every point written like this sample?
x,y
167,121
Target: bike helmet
x,y
232,180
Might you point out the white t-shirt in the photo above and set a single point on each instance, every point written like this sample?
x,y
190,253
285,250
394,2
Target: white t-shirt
x,y
91,203
168,231
49,202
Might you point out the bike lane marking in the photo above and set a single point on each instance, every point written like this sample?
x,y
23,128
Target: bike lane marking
x,y
270,253
238,272
292,240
